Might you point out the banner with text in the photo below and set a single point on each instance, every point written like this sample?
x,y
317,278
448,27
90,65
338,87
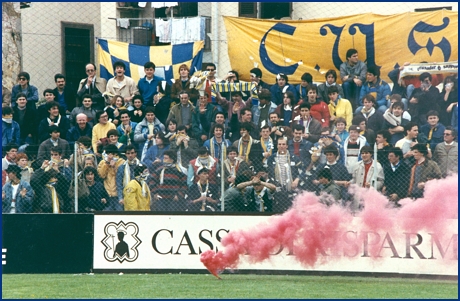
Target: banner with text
x,y
174,242
315,46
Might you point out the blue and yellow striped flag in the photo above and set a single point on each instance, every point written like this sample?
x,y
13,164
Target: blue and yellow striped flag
x,y
167,59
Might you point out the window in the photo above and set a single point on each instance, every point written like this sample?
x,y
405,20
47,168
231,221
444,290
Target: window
x,y
265,10
419,10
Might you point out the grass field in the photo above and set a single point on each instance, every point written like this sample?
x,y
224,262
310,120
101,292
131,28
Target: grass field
x,y
141,286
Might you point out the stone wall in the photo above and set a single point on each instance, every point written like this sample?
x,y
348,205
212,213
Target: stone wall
x,y
11,43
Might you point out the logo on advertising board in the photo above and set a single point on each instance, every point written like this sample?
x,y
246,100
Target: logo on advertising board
x,y
121,241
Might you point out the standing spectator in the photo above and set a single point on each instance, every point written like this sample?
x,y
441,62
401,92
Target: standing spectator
x,y
383,146
121,84
449,95
112,136
64,95
162,101
17,194
97,198
42,110
286,110
339,107
44,151
81,129
83,153
136,193
256,77
235,125
423,99
11,133
433,130
233,166
86,109
168,185
93,86
201,119
367,133
405,144
11,151
125,171
245,143
26,119
54,118
100,130
446,153
25,87
300,147
203,195
376,87
145,131
281,87
50,189
148,86
116,105
107,170
301,89
183,83
397,176
353,74
331,80
422,171
261,113
258,194
183,112
330,192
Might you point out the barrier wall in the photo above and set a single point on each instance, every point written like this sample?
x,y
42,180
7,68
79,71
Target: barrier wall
x,y
47,243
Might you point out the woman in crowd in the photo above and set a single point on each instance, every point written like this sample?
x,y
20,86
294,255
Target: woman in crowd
x,y
137,115
286,109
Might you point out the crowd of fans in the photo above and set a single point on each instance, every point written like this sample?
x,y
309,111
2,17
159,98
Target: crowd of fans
x,y
178,146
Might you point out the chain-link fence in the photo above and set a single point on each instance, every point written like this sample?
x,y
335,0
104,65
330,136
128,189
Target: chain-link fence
x,y
262,179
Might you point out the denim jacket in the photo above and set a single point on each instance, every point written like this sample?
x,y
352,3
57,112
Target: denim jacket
x,y
23,204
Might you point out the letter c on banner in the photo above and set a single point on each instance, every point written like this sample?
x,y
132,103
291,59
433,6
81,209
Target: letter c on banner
x,y
263,54
154,241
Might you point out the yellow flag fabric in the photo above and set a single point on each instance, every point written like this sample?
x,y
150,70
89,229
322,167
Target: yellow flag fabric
x,y
315,46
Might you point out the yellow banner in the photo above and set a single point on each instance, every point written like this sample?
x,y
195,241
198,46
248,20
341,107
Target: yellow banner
x,y
315,46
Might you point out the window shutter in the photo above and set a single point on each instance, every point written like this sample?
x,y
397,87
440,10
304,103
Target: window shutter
x,y
248,9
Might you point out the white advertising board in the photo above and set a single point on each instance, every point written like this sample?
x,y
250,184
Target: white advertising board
x,y
174,242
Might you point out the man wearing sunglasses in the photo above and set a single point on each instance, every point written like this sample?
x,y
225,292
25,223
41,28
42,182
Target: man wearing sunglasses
x,y
94,86
23,86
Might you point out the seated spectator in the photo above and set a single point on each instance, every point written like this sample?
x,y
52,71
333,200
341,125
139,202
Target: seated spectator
x,y
446,153
234,198
204,160
42,110
330,192
383,146
319,109
137,115
25,87
256,77
327,139
11,151
155,153
282,86
17,194
50,189
185,147
65,95
112,136
171,129
219,118
23,162
145,131
339,107
259,194
301,89
331,80
203,195
311,125
373,117
25,117
397,98
261,112
352,147
403,87
183,83
217,143
100,131
97,197
54,118
113,110
84,151
423,171
395,121
286,110
44,150
353,74
11,133
168,185
397,176
81,129
107,170
433,130
125,171
126,128
136,193
246,117
201,119
233,166
85,109
367,133
340,130
409,140
376,87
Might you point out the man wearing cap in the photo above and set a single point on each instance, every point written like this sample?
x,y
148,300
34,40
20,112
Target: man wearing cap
x,y
352,147
107,170
168,185
44,151
203,195
261,112
93,86
17,194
